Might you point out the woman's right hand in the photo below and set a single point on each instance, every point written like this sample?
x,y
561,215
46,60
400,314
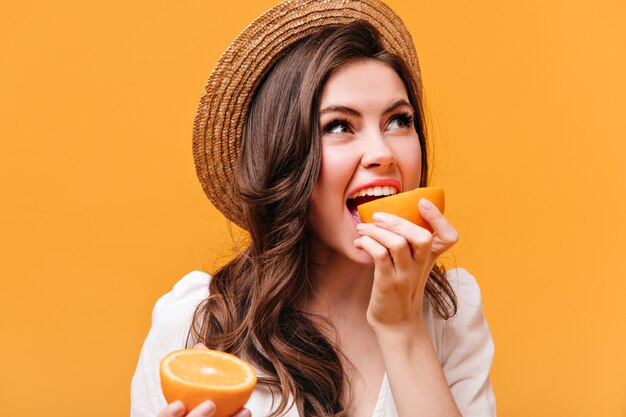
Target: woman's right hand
x,y
205,409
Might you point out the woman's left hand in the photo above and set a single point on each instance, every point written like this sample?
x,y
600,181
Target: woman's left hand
x,y
404,255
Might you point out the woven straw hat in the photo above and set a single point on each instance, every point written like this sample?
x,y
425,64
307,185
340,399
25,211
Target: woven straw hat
x,y
223,107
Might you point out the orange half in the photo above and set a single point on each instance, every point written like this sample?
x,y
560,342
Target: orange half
x,y
404,205
195,375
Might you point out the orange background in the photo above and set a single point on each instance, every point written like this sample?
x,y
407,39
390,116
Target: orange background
x,y
101,211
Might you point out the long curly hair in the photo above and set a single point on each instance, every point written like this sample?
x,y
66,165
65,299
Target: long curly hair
x,y
253,308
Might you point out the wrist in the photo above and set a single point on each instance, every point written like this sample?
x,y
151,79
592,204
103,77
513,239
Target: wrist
x,y
406,334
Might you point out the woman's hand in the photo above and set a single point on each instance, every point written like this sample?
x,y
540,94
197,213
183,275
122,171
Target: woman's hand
x,y
206,409
404,255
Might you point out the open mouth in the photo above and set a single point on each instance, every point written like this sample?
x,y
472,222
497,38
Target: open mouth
x,y
365,195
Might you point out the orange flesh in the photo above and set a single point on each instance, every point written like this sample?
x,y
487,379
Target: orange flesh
x,y
216,372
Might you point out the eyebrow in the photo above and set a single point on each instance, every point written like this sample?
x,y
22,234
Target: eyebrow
x,y
343,109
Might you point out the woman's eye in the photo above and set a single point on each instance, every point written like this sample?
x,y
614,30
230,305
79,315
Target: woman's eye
x,y
337,127
401,121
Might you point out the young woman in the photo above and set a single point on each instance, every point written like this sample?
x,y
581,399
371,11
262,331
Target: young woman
x,y
315,105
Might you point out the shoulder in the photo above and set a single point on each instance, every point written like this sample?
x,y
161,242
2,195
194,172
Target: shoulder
x,y
173,312
445,332
468,302
465,287
469,319
183,298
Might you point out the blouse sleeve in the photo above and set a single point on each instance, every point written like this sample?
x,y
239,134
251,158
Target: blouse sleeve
x,y
171,320
468,350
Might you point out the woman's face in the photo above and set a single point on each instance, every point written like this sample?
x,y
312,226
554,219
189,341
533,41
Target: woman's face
x,y
369,146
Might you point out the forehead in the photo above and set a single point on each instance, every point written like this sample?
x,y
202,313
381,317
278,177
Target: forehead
x,y
361,83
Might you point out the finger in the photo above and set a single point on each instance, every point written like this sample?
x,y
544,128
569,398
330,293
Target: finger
x,y
200,346
445,234
399,248
419,238
175,409
379,253
205,409
244,412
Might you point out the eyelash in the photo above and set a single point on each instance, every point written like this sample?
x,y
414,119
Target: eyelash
x,y
334,123
405,117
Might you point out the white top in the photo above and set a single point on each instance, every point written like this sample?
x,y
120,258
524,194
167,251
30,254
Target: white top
x,y
463,344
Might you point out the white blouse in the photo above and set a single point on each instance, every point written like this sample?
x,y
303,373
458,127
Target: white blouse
x,y
463,344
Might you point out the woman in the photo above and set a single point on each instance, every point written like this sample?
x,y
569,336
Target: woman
x,y
312,106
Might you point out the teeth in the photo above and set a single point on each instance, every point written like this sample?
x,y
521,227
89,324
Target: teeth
x,y
375,191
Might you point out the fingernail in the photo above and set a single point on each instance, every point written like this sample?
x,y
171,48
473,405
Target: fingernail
x,y
361,226
206,408
380,217
426,205
176,408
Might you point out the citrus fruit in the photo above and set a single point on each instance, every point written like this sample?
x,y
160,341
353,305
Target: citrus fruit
x,y
404,205
196,375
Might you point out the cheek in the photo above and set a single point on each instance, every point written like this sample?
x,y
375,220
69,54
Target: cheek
x,y
324,189
327,200
409,154
336,170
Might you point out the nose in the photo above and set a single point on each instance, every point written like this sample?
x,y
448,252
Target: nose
x,y
377,153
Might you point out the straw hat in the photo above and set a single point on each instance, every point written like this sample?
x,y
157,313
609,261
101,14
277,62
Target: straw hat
x,y
219,122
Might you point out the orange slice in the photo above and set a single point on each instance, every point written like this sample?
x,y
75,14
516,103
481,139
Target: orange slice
x,y
404,205
196,375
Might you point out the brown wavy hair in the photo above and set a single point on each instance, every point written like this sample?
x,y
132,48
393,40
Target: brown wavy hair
x,y
253,309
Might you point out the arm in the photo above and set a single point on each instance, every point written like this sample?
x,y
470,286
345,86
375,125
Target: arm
x,y
415,375
404,254
467,354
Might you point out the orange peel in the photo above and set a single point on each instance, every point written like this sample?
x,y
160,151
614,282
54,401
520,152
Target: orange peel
x,y
196,375
404,205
